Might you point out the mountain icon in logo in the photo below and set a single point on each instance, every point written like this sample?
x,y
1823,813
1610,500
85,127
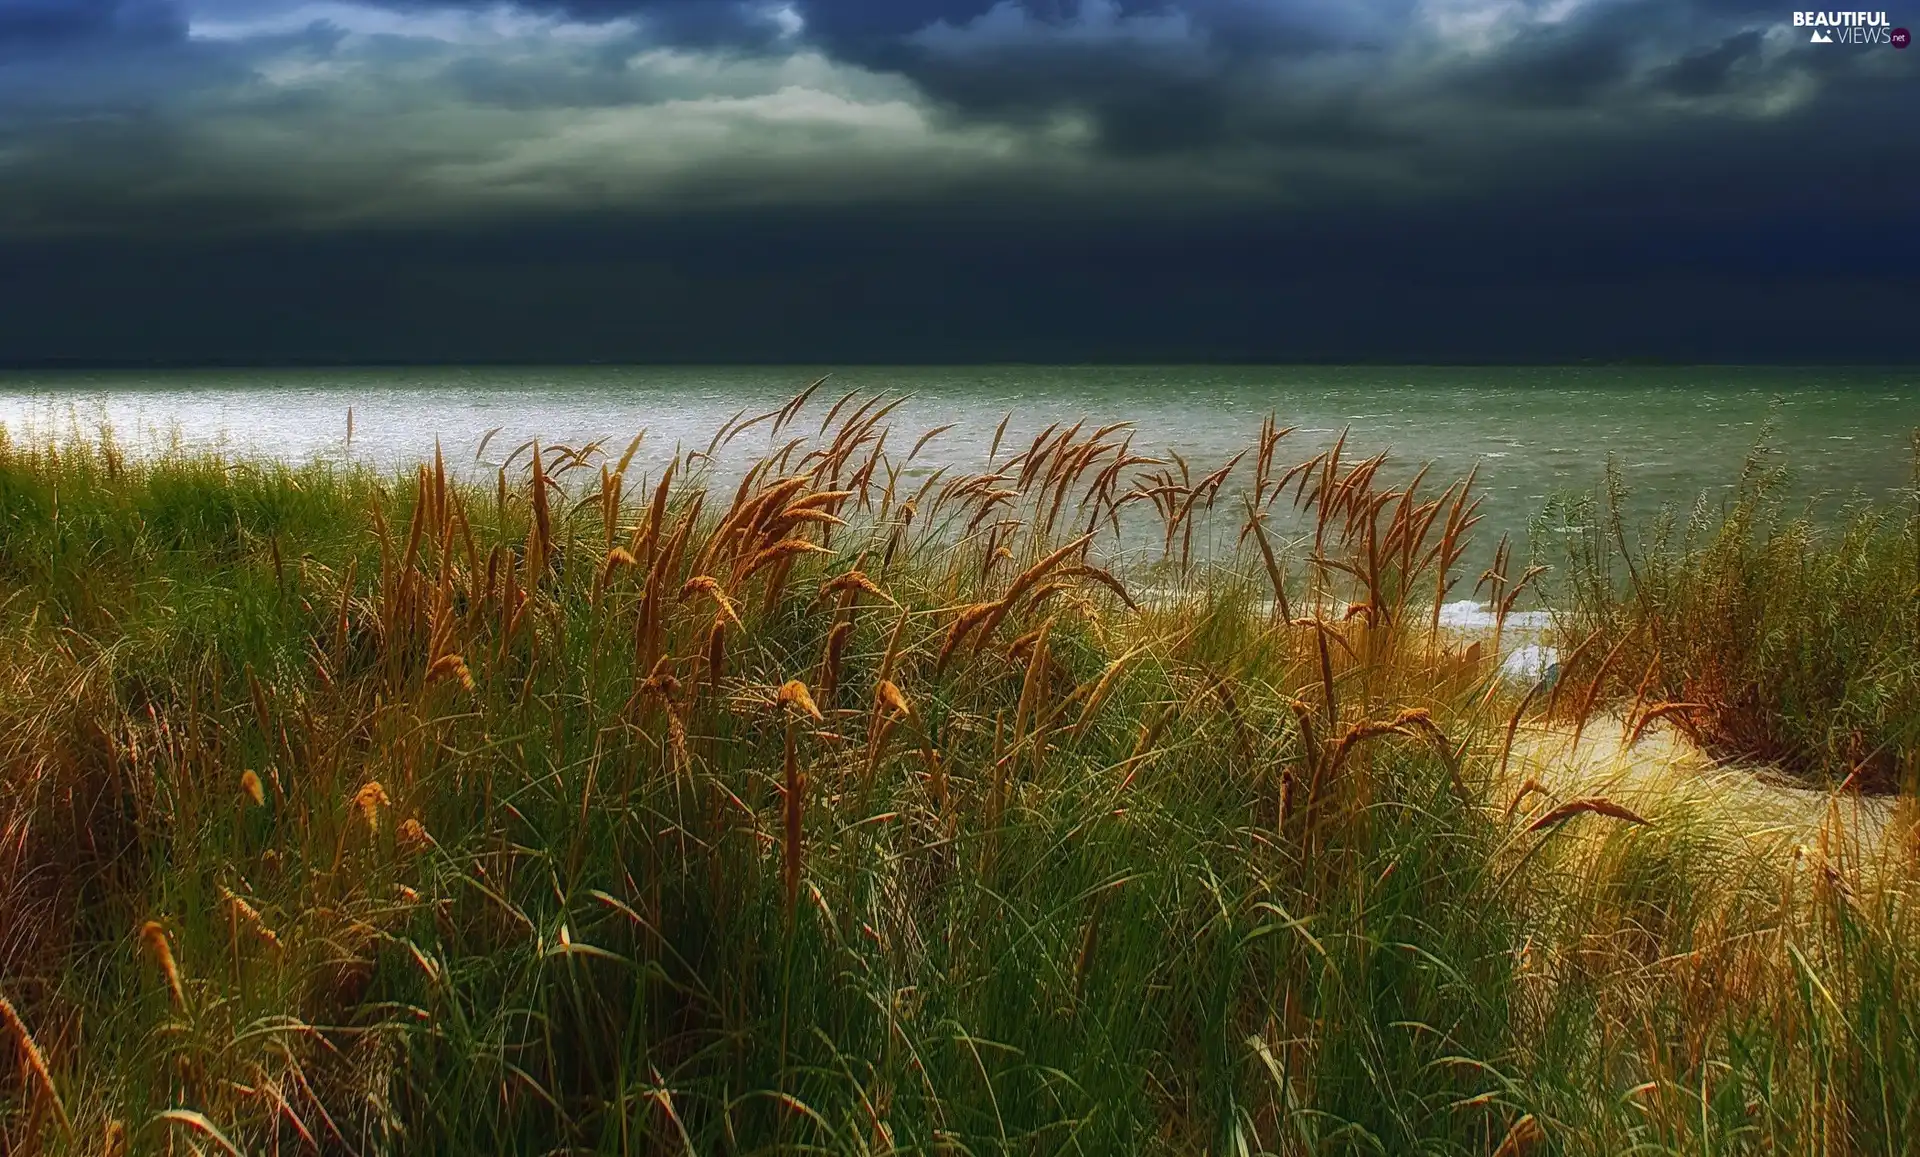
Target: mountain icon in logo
x,y
1820,37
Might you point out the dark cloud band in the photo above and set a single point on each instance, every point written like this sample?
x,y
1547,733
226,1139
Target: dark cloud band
x,y
980,158
34,29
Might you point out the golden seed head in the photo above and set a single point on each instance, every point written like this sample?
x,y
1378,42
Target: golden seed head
x,y
371,797
246,912
450,667
34,1060
661,681
852,580
412,835
240,907
889,697
154,936
810,515
701,584
793,693
250,785
785,548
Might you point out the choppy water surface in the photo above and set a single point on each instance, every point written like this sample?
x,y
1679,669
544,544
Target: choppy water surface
x,y
1676,432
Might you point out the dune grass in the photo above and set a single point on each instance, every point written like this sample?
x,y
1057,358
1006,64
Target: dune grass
x,y
852,810
1769,637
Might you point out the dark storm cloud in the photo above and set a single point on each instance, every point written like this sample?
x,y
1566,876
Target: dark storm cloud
x,y
1301,98
740,25
79,81
35,28
1197,74
842,24
1154,75
1616,50
1157,75
1558,68
871,179
1715,69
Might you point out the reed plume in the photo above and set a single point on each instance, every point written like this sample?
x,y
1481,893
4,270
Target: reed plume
x,y
154,937
35,1062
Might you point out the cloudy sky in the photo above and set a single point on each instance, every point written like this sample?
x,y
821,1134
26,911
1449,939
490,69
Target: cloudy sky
x,y
873,180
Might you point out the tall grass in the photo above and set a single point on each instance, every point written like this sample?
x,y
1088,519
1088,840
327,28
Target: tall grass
x,y
1768,636
855,810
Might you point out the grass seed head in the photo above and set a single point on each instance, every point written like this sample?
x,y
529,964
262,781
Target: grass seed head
x,y
853,580
1525,1138
154,937
245,913
836,650
370,799
793,694
412,837
34,1061
888,696
660,681
784,549
701,584
450,667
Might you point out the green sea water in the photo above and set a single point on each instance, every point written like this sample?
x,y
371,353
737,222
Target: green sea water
x,y
1676,432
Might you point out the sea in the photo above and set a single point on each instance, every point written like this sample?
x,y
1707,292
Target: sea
x,y
1540,436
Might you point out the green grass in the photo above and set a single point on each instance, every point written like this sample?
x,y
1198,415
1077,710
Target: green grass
x,y
1799,643
1179,879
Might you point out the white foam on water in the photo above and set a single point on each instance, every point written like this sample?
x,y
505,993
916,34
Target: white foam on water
x,y
1530,664
1467,615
